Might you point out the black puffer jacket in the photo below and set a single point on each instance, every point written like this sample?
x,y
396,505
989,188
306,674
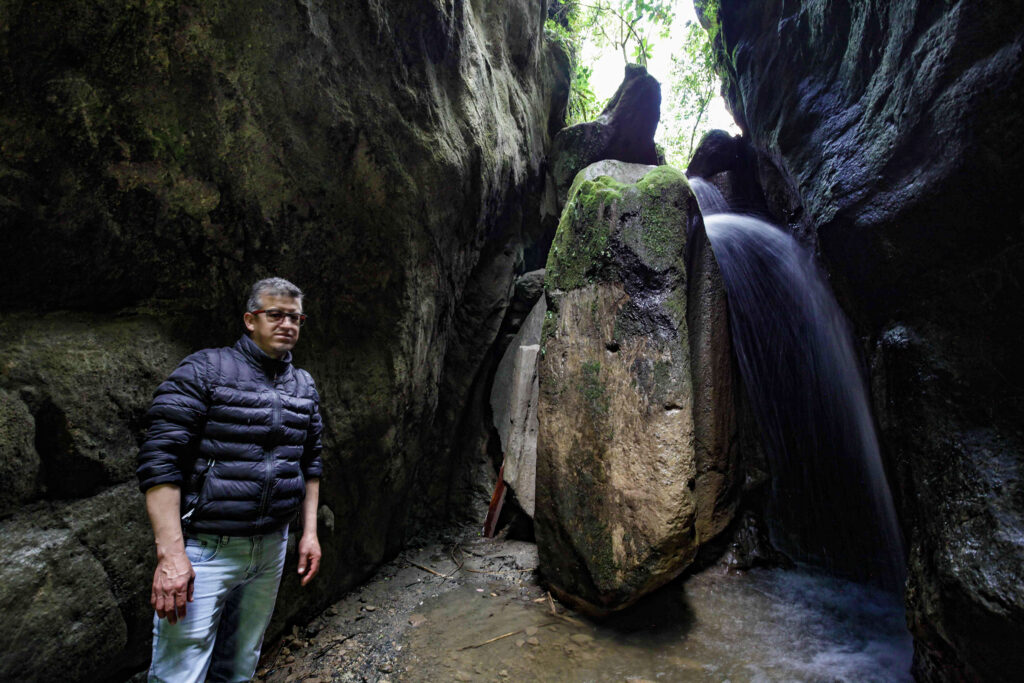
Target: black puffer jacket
x,y
239,432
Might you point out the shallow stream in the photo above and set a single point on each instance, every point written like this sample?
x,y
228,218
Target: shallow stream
x,y
483,617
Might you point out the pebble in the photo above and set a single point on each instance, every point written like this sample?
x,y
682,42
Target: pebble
x,y
462,676
384,667
503,673
370,608
531,630
520,642
290,659
417,620
313,680
581,638
533,641
285,651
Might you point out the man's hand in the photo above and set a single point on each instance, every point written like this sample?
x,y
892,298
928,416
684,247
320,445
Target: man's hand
x,y
173,583
309,546
174,578
309,556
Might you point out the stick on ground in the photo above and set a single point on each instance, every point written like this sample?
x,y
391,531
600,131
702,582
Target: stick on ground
x,y
428,569
486,642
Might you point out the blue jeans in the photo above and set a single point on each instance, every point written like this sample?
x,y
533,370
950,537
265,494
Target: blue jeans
x,y
235,589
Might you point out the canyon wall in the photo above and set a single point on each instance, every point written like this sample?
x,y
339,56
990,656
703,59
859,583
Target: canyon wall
x,y
889,136
158,157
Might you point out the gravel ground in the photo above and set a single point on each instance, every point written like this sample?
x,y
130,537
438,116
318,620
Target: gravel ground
x,y
366,635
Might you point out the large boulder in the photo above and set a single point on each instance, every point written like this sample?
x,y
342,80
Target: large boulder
x,y
623,131
891,136
625,496
387,157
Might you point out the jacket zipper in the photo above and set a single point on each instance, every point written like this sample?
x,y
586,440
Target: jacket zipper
x,y
187,517
268,455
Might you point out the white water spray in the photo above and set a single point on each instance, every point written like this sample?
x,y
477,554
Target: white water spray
x,y
830,502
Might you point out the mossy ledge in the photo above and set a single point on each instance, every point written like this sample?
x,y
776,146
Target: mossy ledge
x,y
595,212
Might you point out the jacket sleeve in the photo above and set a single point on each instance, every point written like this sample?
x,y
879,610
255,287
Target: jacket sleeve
x,y
312,465
175,419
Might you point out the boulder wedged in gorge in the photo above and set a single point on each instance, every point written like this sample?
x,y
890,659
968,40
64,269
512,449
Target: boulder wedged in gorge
x,y
157,158
891,136
625,495
623,131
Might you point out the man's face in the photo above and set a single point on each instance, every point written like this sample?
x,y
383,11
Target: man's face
x,y
275,339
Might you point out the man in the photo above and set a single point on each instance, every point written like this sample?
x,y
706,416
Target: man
x,y
231,456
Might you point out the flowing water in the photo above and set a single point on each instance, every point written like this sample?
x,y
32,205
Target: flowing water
x,y
830,503
470,609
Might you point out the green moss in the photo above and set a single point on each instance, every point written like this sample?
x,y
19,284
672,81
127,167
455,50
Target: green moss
x,y
659,179
664,221
579,251
548,329
593,390
676,305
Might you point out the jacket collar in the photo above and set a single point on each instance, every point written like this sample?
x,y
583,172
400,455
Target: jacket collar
x,y
255,355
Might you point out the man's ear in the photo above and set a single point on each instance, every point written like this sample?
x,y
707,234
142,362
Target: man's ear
x,y
250,321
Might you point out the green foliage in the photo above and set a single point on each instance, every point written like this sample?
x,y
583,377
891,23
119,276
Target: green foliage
x,y
694,83
627,25
583,104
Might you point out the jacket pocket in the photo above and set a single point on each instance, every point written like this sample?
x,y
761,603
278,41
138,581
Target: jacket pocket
x,y
201,485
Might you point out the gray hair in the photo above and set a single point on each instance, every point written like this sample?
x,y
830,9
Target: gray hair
x,y
275,286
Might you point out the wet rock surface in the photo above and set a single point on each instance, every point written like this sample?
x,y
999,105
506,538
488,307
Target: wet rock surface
x,y
617,510
483,617
889,135
388,158
624,131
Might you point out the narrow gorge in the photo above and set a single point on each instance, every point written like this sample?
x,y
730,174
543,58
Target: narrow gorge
x,y
499,302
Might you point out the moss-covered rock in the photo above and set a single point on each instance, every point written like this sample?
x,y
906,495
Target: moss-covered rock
x,y
625,496
624,131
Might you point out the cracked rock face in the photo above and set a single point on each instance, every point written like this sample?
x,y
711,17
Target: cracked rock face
x,y
623,493
891,136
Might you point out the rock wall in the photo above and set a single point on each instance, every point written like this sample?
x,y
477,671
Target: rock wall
x,y
157,157
890,135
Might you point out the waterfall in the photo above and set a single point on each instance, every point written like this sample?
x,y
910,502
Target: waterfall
x,y
829,502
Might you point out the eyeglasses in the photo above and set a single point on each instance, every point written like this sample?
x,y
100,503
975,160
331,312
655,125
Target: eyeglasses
x,y
275,316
